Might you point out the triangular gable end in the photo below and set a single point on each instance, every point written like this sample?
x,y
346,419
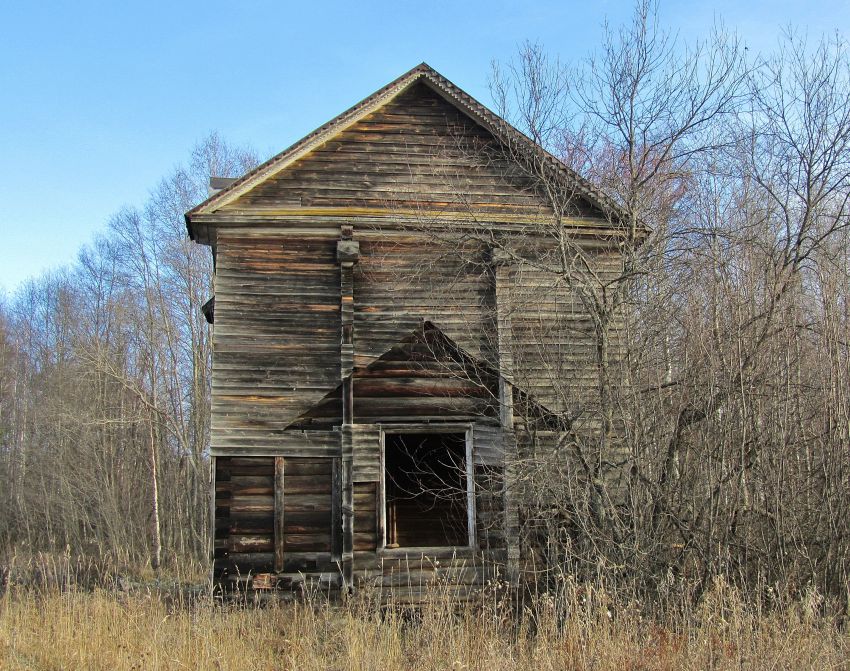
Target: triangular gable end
x,y
394,372
425,75
425,371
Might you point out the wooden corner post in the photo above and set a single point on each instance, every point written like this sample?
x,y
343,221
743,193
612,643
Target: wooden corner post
x,y
347,254
504,343
279,535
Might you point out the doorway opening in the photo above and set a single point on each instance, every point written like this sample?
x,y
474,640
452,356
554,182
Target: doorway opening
x,y
426,488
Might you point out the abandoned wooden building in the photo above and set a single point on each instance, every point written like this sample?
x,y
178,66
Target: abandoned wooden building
x,y
377,349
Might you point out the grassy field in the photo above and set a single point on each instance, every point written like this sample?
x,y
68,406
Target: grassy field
x,y
139,626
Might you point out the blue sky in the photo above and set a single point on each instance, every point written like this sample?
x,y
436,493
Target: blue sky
x,y
98,101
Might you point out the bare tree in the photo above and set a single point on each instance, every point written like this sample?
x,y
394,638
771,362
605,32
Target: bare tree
x,y
708,440
105,385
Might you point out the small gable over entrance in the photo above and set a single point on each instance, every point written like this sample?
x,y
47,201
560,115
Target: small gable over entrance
x,y
425,376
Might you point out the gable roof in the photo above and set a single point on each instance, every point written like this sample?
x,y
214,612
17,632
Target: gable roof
x,y
425,74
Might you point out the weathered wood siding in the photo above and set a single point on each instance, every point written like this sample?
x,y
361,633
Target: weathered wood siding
x,y
307,492
489,443
418,381
403,279
489,507
553,344
245,525
367,452
415,380
416,152
245,538
366,502
401,182
244,516
276,337
278,285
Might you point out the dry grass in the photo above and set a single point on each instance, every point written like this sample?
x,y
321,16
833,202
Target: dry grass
x,y
102,627
102,630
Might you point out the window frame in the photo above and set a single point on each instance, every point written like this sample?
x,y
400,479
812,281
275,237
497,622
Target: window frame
x,y
467,430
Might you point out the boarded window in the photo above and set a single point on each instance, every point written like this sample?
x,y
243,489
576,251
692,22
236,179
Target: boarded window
x,y
426,493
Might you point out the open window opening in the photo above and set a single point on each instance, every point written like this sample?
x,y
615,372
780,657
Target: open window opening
x,y
426,488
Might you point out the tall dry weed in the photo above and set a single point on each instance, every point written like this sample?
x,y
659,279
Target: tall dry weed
x,y
61,624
